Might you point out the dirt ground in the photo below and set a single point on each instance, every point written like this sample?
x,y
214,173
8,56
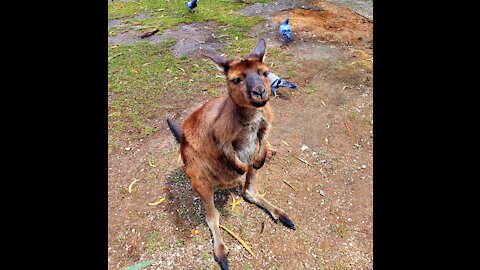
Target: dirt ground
x,y
321,174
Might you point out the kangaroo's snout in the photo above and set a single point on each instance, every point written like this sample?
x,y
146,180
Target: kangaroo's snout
x,y
259,91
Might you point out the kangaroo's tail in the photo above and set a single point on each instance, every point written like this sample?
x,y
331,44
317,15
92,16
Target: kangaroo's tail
x,y
176,130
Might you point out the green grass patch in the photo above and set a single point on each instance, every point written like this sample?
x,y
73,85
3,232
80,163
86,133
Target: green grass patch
x,y
142,76
342,230
155,241
121,9
166,14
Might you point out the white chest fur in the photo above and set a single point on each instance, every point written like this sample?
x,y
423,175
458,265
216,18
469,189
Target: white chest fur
x,y
248,137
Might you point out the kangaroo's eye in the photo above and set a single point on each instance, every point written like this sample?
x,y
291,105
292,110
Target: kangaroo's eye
x,y
265,74
236,80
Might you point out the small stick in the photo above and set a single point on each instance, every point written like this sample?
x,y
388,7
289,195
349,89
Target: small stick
x,y
263,227
286,182
304,161
348,128
366,18
238,238
147,34
116,55
245,255
235,202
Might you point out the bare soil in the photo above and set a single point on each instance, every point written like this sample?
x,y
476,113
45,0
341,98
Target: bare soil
x,y
330,199
190,38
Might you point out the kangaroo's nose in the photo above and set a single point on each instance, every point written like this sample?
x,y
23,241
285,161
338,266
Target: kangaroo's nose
x,y
260,91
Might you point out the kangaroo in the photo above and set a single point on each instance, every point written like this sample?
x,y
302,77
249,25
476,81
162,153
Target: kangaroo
x,y
226,138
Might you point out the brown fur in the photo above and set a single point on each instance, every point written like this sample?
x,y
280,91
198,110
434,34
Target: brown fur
x,y
217,136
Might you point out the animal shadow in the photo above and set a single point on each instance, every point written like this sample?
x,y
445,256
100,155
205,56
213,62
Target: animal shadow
x,y
187,207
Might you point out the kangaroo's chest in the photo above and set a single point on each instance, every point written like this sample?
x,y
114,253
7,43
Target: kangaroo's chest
x,y
247,139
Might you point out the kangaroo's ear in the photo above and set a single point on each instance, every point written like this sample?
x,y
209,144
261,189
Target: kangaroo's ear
x,y
222,62
259,50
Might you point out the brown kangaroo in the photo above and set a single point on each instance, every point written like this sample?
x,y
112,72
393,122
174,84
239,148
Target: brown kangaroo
x,y
226,138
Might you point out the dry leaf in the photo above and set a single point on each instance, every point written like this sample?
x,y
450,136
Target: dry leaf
x,y
151,164
235,202
131,184
157,202
238,238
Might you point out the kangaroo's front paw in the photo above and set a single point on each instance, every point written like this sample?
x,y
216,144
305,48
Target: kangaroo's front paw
x,y
258,163
241,168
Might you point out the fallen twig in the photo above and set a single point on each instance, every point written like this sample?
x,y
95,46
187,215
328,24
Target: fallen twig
x,y
245,255
147,34
116,55
348,128
304,161
238,238
366,18
235,202
262,228
290,185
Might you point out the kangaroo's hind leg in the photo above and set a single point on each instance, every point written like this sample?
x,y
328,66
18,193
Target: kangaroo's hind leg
x,y
250,193
205,190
